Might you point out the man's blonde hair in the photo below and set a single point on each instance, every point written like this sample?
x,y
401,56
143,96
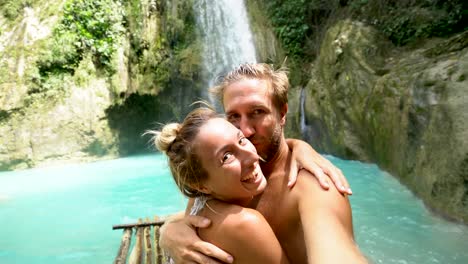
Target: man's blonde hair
x,y
277,80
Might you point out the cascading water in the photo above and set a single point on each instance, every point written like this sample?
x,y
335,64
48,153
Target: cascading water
x,y
226,36
302,112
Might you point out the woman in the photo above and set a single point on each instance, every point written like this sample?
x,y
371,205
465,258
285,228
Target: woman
x,y
214,163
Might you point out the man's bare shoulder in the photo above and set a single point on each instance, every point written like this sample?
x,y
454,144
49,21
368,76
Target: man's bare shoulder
x,y
308,187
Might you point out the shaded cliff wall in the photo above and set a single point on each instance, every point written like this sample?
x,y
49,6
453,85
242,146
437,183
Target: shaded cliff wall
x,y
267,45
82,80
406,110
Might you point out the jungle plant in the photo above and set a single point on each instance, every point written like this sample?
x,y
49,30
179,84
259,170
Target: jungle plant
x,y
87,26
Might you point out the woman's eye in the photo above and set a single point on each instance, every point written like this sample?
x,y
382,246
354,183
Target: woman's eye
x,y
226,157
242,141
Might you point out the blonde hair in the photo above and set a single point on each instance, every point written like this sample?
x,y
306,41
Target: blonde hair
x,y
277,80
176,141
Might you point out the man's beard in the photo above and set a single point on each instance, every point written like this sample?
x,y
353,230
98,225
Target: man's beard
x,y
274,143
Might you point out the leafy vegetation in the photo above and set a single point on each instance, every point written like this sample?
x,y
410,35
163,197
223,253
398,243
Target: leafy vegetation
x,y
4,114
300,24
87,26
168,52
11,9
298,21
406,21
289,19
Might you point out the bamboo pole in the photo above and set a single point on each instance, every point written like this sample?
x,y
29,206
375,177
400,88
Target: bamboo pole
x,y
135,256
158,251
155,255
155,223
148,251
124,247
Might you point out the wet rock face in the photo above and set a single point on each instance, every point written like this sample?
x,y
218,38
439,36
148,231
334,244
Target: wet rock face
x,y
404,110
87,112
75,129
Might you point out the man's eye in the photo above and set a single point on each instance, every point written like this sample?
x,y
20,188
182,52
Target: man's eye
x,y
258,111
233,117
226,157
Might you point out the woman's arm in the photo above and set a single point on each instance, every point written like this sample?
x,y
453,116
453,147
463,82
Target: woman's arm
x,y
327,223
304,156
246,235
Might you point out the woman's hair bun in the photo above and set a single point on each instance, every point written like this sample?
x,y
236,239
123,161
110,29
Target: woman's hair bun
x,y
163,139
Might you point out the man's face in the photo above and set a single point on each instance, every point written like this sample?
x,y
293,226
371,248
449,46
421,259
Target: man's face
x,y
249,106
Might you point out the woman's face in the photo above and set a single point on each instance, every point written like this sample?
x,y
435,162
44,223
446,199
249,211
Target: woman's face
x,y
232,163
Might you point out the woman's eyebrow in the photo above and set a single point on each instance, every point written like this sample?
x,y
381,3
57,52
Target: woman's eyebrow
x,y
226,146
239,134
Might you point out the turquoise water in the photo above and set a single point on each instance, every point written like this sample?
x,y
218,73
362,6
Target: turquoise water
x,y
65,214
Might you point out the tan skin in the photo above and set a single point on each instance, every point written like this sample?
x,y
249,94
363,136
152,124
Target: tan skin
x,y
244,233
234,178
305,207
178,235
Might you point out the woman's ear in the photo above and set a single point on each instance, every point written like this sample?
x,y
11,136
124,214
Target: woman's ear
x,y
201,188
205,190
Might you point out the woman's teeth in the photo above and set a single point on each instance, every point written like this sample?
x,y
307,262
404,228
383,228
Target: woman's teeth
x,y
250,178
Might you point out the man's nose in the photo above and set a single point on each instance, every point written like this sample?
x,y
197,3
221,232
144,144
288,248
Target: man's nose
x,y
246,127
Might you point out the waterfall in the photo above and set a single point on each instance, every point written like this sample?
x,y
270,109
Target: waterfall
x,y
226,36
303,126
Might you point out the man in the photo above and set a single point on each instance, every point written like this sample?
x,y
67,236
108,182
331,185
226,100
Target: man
x,y
254,97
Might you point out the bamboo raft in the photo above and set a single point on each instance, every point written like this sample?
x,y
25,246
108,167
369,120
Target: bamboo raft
x,y
146,247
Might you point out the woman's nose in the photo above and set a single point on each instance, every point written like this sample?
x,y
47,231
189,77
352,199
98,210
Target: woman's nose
x,y
249,155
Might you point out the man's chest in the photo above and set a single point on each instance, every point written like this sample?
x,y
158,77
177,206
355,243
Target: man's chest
x,y
280,209
278,206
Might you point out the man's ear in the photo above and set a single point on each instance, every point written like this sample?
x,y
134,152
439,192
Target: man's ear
x,y
283,113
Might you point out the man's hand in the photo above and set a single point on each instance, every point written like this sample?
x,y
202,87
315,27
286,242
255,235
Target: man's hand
x,y
179,239
305,157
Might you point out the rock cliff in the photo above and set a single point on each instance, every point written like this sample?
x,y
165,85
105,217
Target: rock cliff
x,y
83,80
404,109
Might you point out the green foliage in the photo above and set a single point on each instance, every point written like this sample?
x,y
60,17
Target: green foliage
x,y
12,8
164,54
299,24
4,115
61,56
289,20
87,27
406,21
148,51
48,89
97,25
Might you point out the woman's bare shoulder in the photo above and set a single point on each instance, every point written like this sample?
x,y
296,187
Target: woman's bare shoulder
x,y
234,217
244,233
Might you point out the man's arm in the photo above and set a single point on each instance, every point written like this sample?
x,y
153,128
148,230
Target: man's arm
x,y
327,222
304,156
179,239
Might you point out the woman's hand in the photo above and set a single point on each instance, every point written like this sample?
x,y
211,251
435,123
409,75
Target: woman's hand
x,y
305,157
